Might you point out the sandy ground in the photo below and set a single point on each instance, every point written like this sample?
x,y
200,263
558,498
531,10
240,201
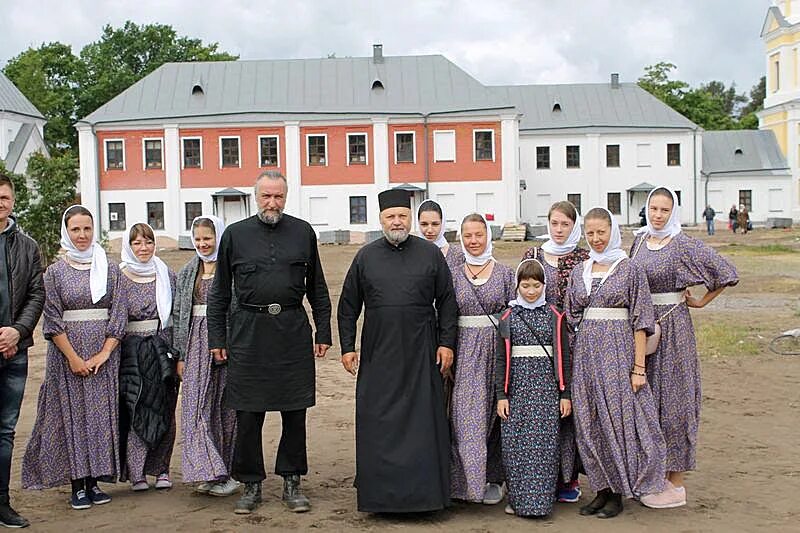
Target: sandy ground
x,y
748,477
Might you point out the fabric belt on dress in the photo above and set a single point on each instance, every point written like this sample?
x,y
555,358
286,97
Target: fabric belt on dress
x,y
142,326
668,298
84,315
270,309
476,321
531,351
199,310
605,313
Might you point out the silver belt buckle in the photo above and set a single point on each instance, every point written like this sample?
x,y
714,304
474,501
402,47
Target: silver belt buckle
x,y
274,309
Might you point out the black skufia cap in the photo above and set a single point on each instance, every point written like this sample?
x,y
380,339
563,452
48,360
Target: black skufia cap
x,y
394,198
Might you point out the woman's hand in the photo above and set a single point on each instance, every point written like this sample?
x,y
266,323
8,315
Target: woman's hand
x,y
502,409
692,301
566,408
78,366
181,366
97,360
637,382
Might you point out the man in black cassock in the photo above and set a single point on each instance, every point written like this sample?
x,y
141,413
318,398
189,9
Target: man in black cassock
x,y
269,262
410,327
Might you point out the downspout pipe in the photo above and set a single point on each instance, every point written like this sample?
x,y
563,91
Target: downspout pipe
x,y
694,172
427,158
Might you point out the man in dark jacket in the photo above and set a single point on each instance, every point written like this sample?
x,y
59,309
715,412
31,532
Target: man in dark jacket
x,y
272,261
21,302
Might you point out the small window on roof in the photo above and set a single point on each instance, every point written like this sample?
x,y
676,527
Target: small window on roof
x,y
738,151
377,85
556,107
197,90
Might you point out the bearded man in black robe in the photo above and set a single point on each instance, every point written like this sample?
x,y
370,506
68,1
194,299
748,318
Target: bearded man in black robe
x,y
407,344
270,262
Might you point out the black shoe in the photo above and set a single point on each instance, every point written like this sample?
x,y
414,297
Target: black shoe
x,y
97,496
8,516
612,507
293,495
250,498
598,503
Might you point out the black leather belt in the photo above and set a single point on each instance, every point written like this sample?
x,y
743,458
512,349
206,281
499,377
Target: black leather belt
x,y
270,309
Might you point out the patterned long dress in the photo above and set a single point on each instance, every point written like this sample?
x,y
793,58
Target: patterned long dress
x,y
454,258
475,457
617,430
557,279
530,435
76,432
208,428
673,371
140,462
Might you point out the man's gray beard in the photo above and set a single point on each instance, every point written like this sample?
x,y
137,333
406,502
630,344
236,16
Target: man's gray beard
x,y
396,236
269,218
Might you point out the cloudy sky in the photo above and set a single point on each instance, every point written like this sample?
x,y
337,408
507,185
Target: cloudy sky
x,y
509,42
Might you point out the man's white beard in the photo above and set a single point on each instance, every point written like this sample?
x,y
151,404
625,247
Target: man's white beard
x,y
270,217
396,236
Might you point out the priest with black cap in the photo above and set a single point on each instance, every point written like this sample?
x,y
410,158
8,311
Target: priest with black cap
x,y
407,343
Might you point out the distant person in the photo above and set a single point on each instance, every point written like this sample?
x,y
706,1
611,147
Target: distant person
x,y
709,215
733,214
642,218
743,218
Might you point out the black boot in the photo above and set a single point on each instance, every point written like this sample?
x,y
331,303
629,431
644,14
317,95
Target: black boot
x,y
250,498
8,516
612,507
293,495
598,503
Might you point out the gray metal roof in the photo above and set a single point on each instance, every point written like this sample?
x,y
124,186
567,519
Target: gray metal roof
x,y
643,187
737,152
774,12
590,106
13,101
301,87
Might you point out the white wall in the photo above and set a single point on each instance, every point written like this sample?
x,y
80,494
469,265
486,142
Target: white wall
x,y
771,196
9,127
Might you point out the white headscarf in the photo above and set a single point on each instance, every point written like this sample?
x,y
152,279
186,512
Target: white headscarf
x,y
612,254
219,229
673,225
154,266
440,241
552,247
487,253
95,254
520,300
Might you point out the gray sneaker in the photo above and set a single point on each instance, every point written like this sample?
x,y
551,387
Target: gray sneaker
x,y
293,495
250,498
494,494
224,488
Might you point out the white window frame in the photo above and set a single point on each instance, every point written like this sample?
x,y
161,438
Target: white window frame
x,y
238,142
105,153
640,163
366,147
278,150
455,146
144,152
413,145
475,144
308,149
201,150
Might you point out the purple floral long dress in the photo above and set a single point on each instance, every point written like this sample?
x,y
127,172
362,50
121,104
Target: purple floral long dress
x,y
617,430
207,427
673,371
140,462
475,457
76,430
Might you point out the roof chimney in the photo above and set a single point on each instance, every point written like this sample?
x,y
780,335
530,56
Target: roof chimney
x,y
615,80
377,53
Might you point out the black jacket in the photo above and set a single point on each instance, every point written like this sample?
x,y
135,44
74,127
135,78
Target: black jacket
x,y
147,375
26,285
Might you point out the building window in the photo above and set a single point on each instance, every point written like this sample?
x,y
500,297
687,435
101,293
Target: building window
x,y
573,156
116,217
444,146
268,151
115,155
746,199
678,194
542,157
404,147
192,153
356,148
152,154
643,155
614,203
612,155
575,199
316,145
229,152
776,72
155,215
484,145
193,210
358,209
673,155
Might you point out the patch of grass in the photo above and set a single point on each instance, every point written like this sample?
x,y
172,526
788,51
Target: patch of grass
x,y
761,249
726,340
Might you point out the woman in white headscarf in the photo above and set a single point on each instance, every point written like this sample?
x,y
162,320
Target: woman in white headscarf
x,y
431,222
149,287
608,304
673,261
74,438
483,287
208,428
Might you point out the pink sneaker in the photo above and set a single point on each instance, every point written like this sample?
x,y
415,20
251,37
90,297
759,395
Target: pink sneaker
x,y
668,498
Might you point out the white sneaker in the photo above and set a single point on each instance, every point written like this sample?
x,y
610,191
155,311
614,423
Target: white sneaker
x,y
669,498
204,488
163,482
493,494
509,509
140,486
224,488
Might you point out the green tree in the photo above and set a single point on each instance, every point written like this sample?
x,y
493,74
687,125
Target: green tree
x,y
758,93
